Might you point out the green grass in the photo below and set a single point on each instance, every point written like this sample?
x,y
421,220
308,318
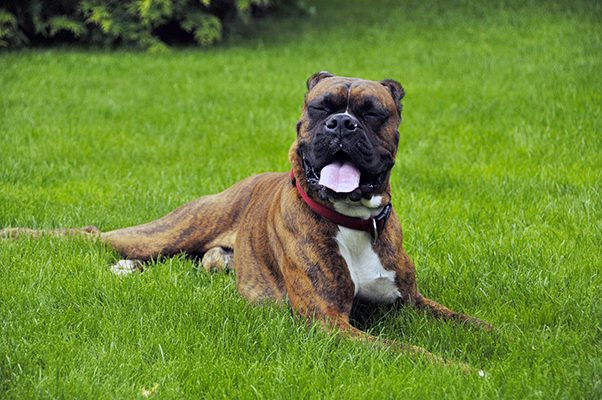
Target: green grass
x,y
497,184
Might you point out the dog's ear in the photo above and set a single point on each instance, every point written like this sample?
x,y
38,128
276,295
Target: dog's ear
x,y
317,77
396,91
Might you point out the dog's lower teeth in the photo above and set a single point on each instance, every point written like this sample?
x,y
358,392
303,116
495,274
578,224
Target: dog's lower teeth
x,y
356,195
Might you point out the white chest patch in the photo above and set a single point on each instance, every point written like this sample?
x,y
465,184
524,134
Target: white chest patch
x,y
372,282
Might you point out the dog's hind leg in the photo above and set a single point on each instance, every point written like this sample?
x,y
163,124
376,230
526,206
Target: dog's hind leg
x,y
193,229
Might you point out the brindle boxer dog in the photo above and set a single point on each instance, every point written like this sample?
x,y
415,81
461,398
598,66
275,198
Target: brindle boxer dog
x,y
319,237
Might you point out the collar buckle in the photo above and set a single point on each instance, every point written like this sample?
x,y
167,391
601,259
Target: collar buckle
x,y
374,231
378,222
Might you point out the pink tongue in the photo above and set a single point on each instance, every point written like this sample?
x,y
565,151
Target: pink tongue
x,y
340,177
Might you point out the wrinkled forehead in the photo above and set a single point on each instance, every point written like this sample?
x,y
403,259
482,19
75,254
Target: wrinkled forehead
x,y
348,90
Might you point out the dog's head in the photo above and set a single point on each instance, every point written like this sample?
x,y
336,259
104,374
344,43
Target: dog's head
x,y
347,139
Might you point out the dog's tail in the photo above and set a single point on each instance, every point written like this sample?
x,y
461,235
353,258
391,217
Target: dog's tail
x,y
14,233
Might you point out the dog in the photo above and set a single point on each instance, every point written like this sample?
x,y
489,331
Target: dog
x,y
321,237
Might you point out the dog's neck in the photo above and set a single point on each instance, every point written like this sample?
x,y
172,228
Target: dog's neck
x,y
357,216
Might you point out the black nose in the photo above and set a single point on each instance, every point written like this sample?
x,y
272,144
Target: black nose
x,y
342,124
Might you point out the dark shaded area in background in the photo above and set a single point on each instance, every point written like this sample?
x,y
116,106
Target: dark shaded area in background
x,y
139,24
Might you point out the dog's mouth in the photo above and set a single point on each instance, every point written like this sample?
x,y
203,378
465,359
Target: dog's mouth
x,y
340,178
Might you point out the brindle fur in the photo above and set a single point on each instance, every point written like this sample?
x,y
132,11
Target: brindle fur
x,y
281,249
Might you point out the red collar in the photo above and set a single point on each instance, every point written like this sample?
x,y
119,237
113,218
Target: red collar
x,y
373,225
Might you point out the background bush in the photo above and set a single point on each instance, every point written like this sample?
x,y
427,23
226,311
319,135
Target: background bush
x,y
150,24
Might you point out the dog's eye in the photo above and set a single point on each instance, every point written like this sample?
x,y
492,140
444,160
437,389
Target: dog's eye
x,y
375,116
318,109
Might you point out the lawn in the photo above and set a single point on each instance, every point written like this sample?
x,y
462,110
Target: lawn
x,y
497,184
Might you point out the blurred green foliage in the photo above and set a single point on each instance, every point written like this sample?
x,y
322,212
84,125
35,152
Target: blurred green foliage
x,y
149,24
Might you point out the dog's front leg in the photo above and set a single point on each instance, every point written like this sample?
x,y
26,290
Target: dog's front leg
x,y
321,291
324,292
444,313
410,295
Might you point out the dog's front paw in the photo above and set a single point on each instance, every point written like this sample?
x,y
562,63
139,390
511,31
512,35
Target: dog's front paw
x,y
127,267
